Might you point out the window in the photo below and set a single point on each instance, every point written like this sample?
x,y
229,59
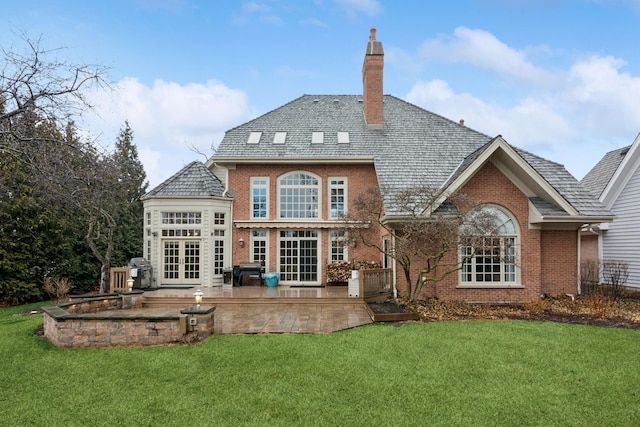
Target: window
x,y
299,193
181,217
491,261
343,137
337,246
317,137
259,247
337,197
259,199
218,218
254,137
279,137
218,251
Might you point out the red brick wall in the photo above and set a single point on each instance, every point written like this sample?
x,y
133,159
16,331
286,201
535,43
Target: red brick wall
x,y
560,262
589,247
489,185
360,177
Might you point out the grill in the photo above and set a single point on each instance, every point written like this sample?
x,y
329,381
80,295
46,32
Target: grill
x,y
247,269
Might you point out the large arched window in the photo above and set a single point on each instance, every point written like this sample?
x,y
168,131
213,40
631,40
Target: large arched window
x,y
299,195
490,257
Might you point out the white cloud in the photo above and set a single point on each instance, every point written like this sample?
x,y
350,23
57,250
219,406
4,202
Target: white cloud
x,y
482,49
527,124
167,119
603,96
572,116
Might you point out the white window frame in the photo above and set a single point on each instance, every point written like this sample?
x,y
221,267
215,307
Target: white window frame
x,y
338,246
496,266
259,183
260,240
299,201
337,183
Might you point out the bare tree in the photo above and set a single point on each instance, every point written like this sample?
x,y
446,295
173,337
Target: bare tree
x,y
36,82
424,231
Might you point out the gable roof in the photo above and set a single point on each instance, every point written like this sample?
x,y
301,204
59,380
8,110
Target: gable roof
x,y
414,146
193,180
597,178
612,173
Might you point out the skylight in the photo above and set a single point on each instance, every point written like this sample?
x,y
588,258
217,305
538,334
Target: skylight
x,y
317,137
343,137
254,137
279,137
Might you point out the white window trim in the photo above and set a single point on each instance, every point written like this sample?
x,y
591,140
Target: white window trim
x,y
252,187
266,247
345,247
345,187
517,284
319,195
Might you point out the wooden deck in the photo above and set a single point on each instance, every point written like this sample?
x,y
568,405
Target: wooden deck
x,y
172,297
263,310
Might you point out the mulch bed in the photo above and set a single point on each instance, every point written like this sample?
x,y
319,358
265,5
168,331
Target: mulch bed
x,y
585,310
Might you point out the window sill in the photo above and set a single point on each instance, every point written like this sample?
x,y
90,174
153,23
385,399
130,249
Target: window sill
x,y
489,286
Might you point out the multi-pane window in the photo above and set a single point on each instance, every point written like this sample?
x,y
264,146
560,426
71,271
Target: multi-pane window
x,y
299,196
492,258
337,197
259,200
218,218
218,251
181,217
337,246
259,246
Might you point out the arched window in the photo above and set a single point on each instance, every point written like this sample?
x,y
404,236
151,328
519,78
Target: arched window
x,y
489,253
299,195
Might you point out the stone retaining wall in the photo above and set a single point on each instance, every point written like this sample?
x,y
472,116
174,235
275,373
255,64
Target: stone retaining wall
x,y
103,322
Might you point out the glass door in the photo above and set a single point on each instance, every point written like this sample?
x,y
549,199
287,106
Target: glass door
x,y
181,262
299,257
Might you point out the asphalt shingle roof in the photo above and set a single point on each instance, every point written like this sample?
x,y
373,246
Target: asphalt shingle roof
x,y
415,145
596,179
193,180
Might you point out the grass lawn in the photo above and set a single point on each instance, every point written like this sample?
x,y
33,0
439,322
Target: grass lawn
x,y
421,374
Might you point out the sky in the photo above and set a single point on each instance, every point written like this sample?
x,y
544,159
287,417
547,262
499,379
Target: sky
x,y
559,78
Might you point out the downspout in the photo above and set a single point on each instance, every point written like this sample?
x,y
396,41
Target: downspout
x,y
394,269
579,239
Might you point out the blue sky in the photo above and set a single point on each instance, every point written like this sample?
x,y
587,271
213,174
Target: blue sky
x,y
560,78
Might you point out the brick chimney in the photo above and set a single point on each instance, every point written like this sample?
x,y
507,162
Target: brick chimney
x,y
372,99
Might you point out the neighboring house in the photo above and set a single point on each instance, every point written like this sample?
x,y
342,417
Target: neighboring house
x,y
615,181
295,170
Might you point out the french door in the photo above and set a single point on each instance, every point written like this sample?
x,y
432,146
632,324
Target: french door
x,y
299,257
181,262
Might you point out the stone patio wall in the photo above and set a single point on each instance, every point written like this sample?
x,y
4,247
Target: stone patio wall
x,y
101,322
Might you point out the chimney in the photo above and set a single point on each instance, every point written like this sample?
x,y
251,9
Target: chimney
x,y
372,99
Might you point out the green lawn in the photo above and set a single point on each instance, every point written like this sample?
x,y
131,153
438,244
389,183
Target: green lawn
x,y
423,374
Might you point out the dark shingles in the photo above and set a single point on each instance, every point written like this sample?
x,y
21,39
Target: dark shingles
x,y
193,180
415,146
596,179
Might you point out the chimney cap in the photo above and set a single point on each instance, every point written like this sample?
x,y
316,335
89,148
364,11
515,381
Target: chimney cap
x,y
372,34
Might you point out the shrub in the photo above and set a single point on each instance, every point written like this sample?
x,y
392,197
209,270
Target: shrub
x,y
58,288
16,292
589,276
614,274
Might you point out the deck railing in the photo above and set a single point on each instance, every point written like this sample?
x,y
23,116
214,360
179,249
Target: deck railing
x,y
376,284
118,281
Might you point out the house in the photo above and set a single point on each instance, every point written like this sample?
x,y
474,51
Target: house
x,y
282,181
615,181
